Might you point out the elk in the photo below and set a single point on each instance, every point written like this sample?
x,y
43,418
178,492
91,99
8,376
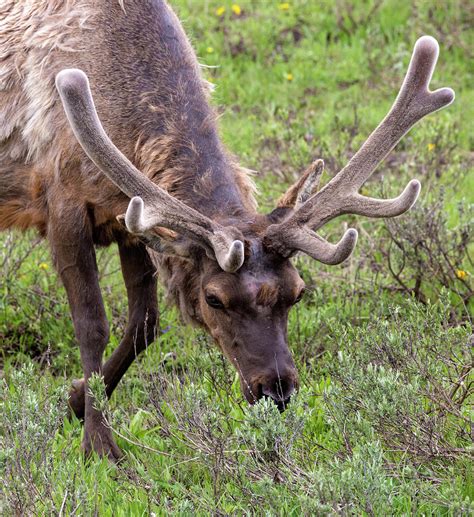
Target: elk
x,y
139,162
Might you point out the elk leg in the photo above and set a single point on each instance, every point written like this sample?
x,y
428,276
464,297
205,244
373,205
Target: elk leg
x,y
70,236
139,275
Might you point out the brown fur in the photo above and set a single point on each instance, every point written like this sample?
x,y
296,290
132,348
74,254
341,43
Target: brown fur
x,y
267,295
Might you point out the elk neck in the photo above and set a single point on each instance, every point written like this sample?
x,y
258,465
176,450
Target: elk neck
x,y
163,102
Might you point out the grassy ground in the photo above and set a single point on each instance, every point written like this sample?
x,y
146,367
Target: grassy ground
x,y
383,421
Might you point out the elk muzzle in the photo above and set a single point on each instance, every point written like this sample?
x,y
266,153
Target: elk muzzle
x,y
277,381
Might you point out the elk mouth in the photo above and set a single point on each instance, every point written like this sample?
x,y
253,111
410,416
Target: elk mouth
x,y
280,404
277,396
259,391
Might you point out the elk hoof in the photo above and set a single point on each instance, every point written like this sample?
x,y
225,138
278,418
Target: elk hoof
x,y
99,440
77,398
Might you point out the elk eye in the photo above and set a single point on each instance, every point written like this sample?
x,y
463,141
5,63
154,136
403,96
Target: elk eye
x,y
300,296
214,302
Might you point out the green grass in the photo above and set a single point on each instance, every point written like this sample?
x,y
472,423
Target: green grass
x,y
383,421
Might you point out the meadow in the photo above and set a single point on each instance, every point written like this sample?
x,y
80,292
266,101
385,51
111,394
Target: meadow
x,y
383,421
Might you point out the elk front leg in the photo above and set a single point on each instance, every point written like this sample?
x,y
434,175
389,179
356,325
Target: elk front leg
x,y
139,275
70,236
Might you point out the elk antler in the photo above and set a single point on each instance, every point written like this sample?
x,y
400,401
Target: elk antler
x,y
340,195
150,205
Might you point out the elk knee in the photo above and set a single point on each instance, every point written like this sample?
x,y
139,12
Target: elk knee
x,y
93,335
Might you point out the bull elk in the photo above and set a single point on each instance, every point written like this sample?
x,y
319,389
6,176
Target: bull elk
x,y
148,171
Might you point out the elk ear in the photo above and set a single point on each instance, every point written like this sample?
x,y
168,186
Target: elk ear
x,y
302,189
163,240
298,193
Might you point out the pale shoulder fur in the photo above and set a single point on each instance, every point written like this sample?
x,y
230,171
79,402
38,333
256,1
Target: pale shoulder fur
x,y
39,156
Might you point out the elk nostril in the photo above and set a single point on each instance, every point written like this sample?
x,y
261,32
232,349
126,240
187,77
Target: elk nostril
x,y
282,404
259,392
280,392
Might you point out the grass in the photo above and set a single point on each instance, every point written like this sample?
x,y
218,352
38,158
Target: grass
x,y
383,421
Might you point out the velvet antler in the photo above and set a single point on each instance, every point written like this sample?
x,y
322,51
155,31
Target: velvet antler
x,y
340,195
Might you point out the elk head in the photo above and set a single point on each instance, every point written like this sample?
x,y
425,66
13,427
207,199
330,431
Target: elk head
x,y
247,282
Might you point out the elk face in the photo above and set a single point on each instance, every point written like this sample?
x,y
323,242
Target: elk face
x,y
247,312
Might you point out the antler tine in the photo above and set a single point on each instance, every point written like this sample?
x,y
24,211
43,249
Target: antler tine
x,y
161,208
372,207
229,252
318,248
340,195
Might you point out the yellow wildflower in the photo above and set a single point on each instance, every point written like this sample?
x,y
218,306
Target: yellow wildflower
x,y
431,147
43,266
289,77
220,10
462,275
284,6
236,9
210,50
